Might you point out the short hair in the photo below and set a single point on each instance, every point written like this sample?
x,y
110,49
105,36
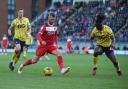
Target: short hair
x,y
99,20
52,14
20,9
100,17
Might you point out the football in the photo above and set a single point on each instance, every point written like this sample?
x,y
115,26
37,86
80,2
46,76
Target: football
x,y
48,71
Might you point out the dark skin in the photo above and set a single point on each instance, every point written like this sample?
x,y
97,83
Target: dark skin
x,y
98,50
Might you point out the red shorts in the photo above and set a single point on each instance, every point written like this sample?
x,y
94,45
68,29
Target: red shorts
x,y
41,50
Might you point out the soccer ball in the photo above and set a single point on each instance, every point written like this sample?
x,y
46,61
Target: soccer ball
x,y
48,71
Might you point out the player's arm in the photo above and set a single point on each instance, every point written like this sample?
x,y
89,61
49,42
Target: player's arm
x,y
92,39
29,28
113,41
112,37
38,36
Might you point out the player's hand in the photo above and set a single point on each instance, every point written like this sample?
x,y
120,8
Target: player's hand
x,y
43,43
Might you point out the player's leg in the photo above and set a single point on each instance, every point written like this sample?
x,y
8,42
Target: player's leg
x,y
5,51
25,49
2,51
18,52
56,52
97,51
46,56
28,62
70,50
67,51
2,46
39,52
15,57
110,54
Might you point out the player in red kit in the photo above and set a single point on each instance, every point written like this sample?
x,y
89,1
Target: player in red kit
x,y
46,37
69,46
4,44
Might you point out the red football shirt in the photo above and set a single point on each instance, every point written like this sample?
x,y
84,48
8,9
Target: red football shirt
x,y
5,41
48,33
69,44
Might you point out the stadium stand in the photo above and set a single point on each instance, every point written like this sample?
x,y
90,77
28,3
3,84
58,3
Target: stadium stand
x,y
76,21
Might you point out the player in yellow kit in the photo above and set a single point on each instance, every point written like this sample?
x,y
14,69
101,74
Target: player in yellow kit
x,y
105,43
21,27
28,42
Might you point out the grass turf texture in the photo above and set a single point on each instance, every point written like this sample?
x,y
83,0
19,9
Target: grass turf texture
x,y
78,78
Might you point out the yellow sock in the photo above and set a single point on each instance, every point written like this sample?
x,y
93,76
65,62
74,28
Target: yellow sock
x,y
15,58
95,59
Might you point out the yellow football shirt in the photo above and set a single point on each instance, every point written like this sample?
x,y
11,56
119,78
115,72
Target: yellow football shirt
x,y
29,40
20,27
103,37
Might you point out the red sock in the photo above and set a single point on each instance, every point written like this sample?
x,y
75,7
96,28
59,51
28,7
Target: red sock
x,y
28,62
60,62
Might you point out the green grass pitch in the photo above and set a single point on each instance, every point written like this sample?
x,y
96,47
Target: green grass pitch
x,y
79,76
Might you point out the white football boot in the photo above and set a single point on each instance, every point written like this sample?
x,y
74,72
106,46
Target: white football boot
x,y
20,69
65,70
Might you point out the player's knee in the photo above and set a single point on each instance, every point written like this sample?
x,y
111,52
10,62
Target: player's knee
x,y
18,48
34,61
95,54
59,53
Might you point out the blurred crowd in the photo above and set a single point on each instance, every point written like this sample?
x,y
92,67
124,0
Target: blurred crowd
x,y
77,20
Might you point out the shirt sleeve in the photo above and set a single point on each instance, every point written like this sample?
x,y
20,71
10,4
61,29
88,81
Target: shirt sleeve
x,y
110,32
43,28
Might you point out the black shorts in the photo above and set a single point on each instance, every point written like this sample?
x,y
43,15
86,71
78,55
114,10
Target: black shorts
x,y
22,43
107,50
